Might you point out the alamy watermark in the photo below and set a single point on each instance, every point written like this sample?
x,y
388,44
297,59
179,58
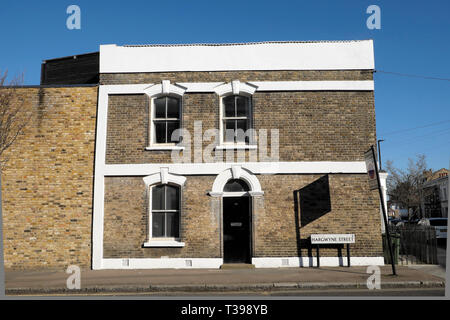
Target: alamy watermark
x,y
374,280
232,146
74,280
74,20
374,20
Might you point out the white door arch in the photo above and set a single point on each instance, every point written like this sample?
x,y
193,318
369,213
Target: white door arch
x,y
236,172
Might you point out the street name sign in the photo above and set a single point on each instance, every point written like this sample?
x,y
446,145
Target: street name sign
x,y
332,238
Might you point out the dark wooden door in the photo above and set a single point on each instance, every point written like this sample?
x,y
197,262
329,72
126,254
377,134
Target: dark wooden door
x,y
237,229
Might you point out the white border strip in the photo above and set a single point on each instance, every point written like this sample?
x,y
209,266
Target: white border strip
x,y
99,179
319,167
366,85
162,263
312,262
215,263
210,87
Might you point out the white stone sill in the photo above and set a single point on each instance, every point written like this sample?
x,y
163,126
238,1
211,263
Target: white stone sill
x,y
236,147
164,148
163,243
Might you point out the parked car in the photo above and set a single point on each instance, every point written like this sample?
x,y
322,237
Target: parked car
x,y
439,224
394,221
400,223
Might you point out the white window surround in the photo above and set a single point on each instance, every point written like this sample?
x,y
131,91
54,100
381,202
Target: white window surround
x,y
165,88
235,87
163,177
235,172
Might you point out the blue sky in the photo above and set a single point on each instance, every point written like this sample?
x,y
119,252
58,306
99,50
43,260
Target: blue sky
x,y
413,39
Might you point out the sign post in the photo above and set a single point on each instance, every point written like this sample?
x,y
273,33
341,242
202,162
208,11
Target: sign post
x,y
374,183
319,239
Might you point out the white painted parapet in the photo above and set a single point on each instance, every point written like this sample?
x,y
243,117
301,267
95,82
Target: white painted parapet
x,y
292,55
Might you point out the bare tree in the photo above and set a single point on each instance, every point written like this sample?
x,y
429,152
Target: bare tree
x,y
13,116
13,119
405,187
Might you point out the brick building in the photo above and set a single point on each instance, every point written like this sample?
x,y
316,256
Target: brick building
x,y
204,155
435,195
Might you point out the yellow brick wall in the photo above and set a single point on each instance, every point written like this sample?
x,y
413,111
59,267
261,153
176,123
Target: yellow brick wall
x,y
278,228
47,183
312,126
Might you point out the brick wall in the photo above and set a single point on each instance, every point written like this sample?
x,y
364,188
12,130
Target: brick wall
x,y
126,230
352,208
313,126
279,228
47,183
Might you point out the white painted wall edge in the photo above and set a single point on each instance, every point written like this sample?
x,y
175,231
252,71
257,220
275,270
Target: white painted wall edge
x,y
209,87
312,262
162,263
357,85
215,263
339,55
254,167
99,180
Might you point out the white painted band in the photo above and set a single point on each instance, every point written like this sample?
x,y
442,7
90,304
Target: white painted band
x,y
259,86
366,85
270,262
338,55
303,167
215,263
162,263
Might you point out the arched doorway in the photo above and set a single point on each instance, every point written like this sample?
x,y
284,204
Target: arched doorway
x,y
237,222
238,194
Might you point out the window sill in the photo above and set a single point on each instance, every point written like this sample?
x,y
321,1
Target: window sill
x,y
163,243
164,148
236,147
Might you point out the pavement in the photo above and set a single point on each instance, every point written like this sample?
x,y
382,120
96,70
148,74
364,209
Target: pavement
x,y
435,270
162,281
442,255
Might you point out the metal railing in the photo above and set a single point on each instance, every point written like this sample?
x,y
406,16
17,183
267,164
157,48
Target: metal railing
x,y
416,244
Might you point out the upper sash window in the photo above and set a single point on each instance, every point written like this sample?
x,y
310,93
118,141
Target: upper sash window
x,y
165,119
236,119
